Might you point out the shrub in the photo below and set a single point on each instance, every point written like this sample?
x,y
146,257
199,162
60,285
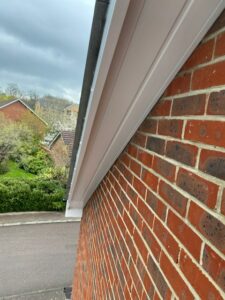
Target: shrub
x,y
56,173
31,195
35,163
3,167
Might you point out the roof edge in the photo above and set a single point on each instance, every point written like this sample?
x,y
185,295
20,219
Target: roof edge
x,y
97,29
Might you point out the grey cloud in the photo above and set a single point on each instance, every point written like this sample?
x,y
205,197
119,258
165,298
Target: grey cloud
x,y
46,39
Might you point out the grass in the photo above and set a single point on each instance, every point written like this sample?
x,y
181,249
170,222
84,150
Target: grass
x,y
16,172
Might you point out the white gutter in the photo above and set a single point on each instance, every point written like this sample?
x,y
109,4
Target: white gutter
x,y
115,17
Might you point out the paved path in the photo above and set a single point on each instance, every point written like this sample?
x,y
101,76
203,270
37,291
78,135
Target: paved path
x,y
33,218
36,257
46,295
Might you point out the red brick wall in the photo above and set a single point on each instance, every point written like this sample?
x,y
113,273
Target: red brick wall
x,y
19,113
155,227
60,153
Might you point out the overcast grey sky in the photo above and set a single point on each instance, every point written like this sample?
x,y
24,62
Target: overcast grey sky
x,y
43,44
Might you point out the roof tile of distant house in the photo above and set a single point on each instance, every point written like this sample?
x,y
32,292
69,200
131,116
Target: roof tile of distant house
x,y
68,138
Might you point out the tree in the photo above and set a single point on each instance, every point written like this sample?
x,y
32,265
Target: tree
x,y
14,90
15,139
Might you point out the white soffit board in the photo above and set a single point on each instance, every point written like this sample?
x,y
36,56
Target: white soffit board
x,y
164,36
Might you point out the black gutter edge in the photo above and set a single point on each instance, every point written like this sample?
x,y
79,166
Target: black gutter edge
x,y
97,28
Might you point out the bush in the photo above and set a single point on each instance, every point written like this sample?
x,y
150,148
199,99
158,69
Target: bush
x,y
4,167
56,173
35,163
31,195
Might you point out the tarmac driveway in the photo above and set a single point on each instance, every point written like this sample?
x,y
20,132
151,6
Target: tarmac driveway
x,y
36,257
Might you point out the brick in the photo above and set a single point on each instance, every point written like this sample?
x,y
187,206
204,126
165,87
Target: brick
x,y
220,45
135,217
127,174
156,296
203,190
185,234
209,76
145,158
162,108
175,279
173,198
202,54
216,103
207,132
148,287
214,265
139,186
141,246
223,203
148,126
181,152
139,139
132,150
132,195
213,163
151,241
135,167
170,128
145,212
128,223
131,248
156,145
150,179
197,279
158,278
156,205
212,228
179,85
189,105
164,168
167,240
125,159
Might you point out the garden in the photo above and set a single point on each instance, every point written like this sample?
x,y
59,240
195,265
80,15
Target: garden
x,y
29,181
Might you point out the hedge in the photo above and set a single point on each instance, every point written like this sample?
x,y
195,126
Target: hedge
x,y
31,195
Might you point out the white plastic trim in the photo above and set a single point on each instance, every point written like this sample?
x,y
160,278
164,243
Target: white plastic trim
x,y
74,213
192,21
115,17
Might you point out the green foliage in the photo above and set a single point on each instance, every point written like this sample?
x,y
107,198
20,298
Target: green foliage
x,y
4,97
3,167
56,173
13,171
16,140
31,195
36,162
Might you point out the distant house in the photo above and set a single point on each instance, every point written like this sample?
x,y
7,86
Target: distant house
x,y
18,111
58,117
70,115
61,147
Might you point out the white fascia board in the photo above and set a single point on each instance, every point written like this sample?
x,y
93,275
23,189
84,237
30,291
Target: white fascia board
x,y
115,17
74,213
189,27
7,104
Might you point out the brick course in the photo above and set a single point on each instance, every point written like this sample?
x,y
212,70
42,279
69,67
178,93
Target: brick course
x,y
155,226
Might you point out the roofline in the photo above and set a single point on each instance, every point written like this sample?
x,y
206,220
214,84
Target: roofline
x,y
71,105
97,28
99,151
55,139
19,100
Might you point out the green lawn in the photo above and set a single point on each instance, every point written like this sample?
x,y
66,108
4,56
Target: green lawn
x,y
16,172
